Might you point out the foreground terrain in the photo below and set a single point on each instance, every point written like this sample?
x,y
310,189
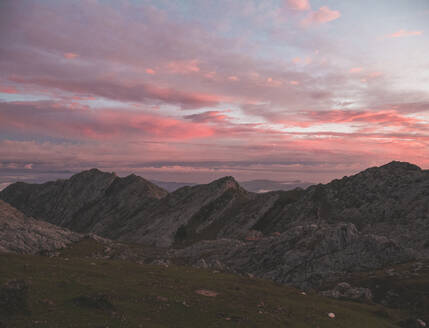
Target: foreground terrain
x,y
72,290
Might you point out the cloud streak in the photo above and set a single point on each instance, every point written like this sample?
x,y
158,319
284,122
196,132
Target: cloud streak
x,y
404,33
322,15
300,5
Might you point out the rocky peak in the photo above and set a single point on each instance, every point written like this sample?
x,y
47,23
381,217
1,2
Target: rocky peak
x,y
93,174
137,185
225,183
394,168
400,166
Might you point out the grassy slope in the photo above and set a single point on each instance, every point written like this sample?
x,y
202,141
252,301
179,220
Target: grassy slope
x,y
155,296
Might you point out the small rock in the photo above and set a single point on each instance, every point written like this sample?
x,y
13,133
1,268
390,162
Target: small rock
x,y
344,290
47,301
206,292
162,298
202,264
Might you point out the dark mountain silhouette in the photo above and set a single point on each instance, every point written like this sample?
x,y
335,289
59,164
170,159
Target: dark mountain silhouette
x,y
366,221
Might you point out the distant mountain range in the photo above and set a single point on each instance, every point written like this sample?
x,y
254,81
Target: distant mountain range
x,y
303,237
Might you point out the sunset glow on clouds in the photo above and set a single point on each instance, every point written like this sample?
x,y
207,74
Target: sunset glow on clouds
x,y
192,91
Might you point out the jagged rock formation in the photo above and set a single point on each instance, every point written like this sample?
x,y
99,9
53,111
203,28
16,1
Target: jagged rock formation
x,y
91,201
24,235
377,217
391,200
133,209
305,256
221,209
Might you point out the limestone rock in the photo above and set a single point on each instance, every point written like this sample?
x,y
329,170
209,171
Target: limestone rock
x,y
24,235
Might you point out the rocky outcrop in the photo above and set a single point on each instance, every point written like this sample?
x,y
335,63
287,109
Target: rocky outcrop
x,y
391,200
24,235
305,256
344,290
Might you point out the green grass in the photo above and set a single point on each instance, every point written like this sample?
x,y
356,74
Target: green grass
x,y
156,296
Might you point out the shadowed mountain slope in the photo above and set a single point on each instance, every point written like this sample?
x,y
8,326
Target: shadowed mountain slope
x,y
90,201
24,235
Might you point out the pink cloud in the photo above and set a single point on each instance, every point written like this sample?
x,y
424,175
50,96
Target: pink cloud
x,y
374,75
150,71
118,68
300,5
57,119
404,33
323,15
207,117
70,55
274,83
210,75
355,70
386,117
183,66
6,89
115,90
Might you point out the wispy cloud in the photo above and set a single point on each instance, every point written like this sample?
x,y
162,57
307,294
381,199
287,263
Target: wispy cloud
x,y
70,55
404,33
300,5
323,15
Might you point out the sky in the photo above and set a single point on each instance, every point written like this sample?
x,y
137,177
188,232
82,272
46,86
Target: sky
x,y
194,90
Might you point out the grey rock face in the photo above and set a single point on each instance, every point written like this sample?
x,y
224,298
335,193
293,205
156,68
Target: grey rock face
x,y
305,256
24,235
391,200
133,209
91,201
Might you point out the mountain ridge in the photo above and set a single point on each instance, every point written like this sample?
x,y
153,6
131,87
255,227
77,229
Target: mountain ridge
x,y
376,217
